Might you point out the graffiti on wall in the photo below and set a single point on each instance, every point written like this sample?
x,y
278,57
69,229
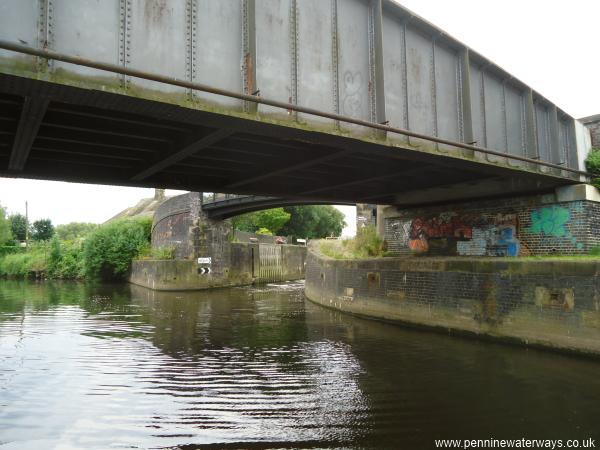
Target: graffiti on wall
x,y
552,222
463,235
490,240
522,230
401,232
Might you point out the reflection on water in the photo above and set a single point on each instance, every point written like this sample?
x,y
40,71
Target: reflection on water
x,y
124,367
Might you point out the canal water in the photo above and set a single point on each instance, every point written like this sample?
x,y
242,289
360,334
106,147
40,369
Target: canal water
x,y
99,367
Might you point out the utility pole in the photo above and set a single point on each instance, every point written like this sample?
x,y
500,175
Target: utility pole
x,y
26,225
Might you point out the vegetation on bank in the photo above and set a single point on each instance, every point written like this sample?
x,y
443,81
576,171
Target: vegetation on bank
x,y
366,244
268,221
75,251
91,251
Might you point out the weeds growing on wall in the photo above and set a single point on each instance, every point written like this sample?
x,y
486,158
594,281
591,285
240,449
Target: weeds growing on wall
x,y
160,253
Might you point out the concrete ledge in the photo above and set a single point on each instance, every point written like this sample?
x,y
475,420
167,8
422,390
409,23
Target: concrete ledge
x,y
577,192
550,304
502,266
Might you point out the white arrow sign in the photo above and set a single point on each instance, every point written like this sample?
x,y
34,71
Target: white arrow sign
x,y
204,270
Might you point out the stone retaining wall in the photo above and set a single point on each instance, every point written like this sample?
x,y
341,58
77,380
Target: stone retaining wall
x,y
549,303
239,264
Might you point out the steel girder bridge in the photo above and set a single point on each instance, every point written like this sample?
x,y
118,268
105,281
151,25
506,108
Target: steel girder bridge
x,y
311,100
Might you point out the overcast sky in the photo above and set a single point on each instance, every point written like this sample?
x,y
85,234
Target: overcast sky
x,y
551,45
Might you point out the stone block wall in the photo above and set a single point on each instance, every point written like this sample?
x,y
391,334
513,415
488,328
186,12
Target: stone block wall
x,y
173,221
180,223
550,303
538,225
593,124
240,265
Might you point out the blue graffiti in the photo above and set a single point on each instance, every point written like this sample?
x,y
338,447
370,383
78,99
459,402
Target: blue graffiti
x,y
508,240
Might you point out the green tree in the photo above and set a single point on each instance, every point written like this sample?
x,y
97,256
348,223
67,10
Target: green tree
x,y
74,230
42,230
313,222
18,224
6,236
271,219
108,250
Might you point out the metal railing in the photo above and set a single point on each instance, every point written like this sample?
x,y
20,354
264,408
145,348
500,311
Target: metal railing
x,y
52,55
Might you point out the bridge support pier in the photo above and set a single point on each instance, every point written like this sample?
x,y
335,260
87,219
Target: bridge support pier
x,y
211,238
205,257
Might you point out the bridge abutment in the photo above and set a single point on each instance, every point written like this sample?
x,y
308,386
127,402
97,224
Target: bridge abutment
x,y
563,222
205,256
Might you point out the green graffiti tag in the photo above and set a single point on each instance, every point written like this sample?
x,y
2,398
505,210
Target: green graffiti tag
x,y
551,221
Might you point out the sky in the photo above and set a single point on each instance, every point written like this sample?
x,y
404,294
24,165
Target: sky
x,y
551,45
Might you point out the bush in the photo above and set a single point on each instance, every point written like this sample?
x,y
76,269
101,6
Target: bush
x,y
22,265
65,260
15,265
6,236
109,250
55,257
592,164
10,250
366,244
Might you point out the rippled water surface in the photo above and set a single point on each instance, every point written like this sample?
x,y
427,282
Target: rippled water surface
x,y
98,367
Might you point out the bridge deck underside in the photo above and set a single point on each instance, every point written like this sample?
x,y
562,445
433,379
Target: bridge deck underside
x,y
91,136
